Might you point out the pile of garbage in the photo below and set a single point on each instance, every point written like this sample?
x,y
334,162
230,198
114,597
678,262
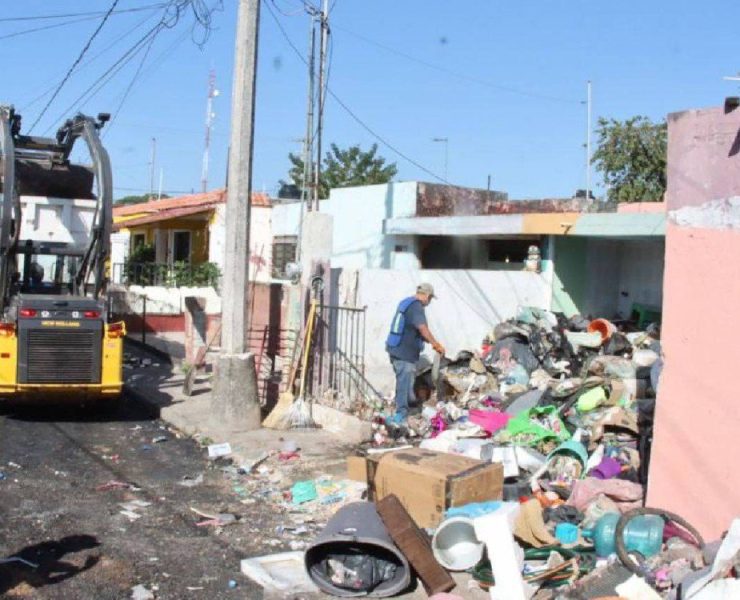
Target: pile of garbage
x,y
524,470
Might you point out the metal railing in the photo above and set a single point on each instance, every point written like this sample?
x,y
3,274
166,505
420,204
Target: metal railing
x,y
338,360
179,274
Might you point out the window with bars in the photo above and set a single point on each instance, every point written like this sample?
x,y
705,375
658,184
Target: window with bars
x,y
283,252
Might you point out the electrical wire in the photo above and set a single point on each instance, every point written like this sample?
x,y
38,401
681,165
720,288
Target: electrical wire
x,y
287,14
462,76
144,56
94,14
171,17
350,112
7,36
84,65
85,48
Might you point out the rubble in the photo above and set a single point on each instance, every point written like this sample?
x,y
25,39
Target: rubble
x,y
564,407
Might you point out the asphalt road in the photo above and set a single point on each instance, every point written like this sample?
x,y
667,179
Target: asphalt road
x,y
54,514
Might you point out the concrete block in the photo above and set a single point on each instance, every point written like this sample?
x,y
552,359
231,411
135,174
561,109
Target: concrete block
x,y
235,397
352,429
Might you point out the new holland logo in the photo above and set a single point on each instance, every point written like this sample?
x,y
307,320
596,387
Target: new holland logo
x,y
60,323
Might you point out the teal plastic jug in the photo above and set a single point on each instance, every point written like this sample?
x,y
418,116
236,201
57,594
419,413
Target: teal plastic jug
x,y
643,534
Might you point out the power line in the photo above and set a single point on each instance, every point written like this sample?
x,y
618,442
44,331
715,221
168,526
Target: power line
x,y
462,76
7,36
349,111
85,48
167,21
94,14
46,92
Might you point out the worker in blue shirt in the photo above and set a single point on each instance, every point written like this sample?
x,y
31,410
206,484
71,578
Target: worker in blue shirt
x,y
409,331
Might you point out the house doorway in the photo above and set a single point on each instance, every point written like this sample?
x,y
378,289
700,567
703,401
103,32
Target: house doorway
x,y
180,244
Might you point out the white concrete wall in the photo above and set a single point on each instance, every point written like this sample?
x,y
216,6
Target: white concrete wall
x,y
260,241
170,301
641,274
469,305
359,214
622,272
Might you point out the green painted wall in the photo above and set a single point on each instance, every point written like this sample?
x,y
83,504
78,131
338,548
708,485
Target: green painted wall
x,y
569,281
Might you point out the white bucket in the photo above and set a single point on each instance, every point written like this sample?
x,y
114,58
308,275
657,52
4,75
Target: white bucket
x,y
455,545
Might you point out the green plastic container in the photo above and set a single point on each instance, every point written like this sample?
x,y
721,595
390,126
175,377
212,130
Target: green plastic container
x,y
643,534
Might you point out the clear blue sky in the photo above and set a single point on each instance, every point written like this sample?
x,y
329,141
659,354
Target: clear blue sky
x,y
506,83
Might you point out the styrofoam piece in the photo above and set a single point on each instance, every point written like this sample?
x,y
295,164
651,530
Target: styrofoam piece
x,y
217,450
506,455
636,588
506,556
283,572
721,589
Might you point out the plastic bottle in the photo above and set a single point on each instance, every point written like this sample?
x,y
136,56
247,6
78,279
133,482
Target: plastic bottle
x,y
643,534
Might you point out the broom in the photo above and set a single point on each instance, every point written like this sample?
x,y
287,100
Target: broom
x,y
299,414
286,399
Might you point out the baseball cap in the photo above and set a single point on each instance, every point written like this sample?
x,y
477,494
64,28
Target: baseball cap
x,y
425,288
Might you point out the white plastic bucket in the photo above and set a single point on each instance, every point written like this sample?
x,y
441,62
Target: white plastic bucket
x,y
455,545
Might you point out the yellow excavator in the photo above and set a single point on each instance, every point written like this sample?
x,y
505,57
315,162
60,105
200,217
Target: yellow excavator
x,y
55,339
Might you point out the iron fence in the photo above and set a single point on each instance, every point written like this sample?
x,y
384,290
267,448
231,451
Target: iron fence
x,y
180,274
338,359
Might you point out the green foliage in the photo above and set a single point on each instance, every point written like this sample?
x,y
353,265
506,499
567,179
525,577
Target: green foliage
x,y
631,155
345,168
202,275
138,199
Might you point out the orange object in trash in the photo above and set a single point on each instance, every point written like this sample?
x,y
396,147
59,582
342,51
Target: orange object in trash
x,y
602,326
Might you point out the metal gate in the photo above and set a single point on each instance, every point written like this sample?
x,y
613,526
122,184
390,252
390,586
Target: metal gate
x,y
339,355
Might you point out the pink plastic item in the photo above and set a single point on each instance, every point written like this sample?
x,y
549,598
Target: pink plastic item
x,y
488,420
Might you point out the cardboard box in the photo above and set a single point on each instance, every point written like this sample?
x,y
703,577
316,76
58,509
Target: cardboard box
x,y
427,483
357,468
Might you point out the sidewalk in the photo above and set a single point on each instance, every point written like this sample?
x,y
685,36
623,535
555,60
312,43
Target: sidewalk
x,y
159,386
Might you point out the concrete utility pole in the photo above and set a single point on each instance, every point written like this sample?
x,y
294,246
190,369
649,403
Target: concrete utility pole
x,y
324,22
235,382
306,193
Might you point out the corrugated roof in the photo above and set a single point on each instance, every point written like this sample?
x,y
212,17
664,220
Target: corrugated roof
x,y
163,215
204,201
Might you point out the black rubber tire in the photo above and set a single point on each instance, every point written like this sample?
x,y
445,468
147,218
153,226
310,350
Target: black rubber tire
x,y
624,557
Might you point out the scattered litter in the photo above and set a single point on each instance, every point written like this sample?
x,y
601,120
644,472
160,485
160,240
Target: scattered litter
x,y
12,559
190,481
140,592
14,465
303,491
159,439
232,584
284,572
132,515
251,465
3,476
218,450
134,504
114,485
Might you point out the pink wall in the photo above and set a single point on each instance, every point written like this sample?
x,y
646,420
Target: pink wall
x,y
695,470
641,207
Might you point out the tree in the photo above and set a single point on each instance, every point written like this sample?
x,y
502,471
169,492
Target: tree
x,y
138,199
631,155
346,167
